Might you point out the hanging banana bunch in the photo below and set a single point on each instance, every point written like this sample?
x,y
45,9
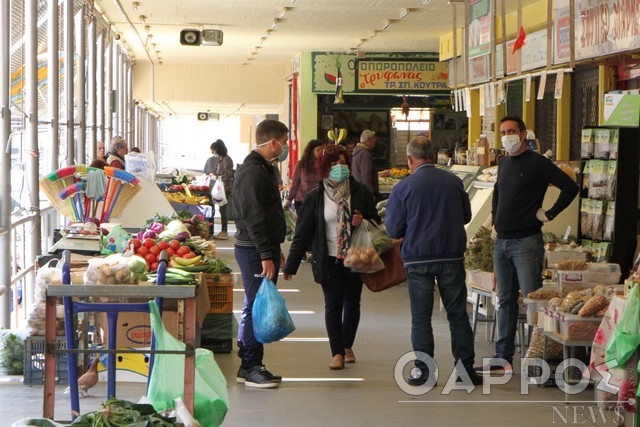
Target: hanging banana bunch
x,y
337,135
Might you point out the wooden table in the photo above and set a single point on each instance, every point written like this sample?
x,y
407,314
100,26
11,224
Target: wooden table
x,y
181,292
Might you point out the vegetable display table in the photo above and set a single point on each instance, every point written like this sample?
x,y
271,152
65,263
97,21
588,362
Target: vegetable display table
x,y
111,292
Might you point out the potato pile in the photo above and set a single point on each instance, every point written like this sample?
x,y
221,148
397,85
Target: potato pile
x,y
109,271
363,260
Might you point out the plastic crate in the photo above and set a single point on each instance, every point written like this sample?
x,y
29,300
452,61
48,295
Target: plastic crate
x,y
534,372
34,361
596,274
218,345
220,288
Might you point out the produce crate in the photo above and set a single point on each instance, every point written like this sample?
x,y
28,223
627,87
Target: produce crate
x,y
534,372
220,288
34,361
218,345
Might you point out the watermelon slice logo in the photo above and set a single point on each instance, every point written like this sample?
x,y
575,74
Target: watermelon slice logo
x,y
330,78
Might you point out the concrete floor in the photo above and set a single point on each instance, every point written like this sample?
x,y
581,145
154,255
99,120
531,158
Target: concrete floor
x,y
364,393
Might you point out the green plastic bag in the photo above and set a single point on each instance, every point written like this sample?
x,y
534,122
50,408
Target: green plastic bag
x,y
290,220
167,379
626,336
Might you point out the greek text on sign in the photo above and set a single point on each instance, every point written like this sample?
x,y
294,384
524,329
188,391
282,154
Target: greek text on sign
x,y
401,76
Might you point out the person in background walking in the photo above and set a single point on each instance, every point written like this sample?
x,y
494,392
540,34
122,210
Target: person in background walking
x,y
222,169
117,151
363,167
429,209
305,177
261,229
517,216
326,220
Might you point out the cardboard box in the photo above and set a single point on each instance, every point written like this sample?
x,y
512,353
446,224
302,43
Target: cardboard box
x,y
134,329
481,279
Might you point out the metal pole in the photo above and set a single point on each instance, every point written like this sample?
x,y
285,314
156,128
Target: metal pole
x,y
68,80
108,94
5,164
91,84
100,86
120,85
33,241
53,83
130,102
81,44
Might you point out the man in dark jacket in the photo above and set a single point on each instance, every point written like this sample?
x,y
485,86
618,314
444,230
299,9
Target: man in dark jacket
x,y
363,168
429,209
261,229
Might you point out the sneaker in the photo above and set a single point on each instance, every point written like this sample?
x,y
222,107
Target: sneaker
x,y
221,236
308,257
241,377
258,378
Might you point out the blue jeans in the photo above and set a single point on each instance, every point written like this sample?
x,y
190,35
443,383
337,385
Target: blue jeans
x,y
453,291
518,266
249,349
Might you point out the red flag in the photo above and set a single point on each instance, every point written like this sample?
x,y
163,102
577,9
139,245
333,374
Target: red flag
x,y
520,40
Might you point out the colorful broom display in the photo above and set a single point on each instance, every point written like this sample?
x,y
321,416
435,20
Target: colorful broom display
x,y
80,192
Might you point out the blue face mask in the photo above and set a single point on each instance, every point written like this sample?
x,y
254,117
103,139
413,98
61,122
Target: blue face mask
x,y
285,153
339,172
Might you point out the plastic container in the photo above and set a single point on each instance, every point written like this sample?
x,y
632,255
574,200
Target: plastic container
x,y
532,306
596,274
575,327
550,323
483,151
557,256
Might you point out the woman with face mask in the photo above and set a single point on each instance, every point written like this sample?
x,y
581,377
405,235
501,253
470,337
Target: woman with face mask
x,y
327,219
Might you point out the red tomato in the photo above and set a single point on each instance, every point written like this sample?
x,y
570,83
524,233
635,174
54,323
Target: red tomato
x,y
154,250
171,251
149,242
163,245
174,244
154,266
150,258
142,251
135,242
183,250
189,255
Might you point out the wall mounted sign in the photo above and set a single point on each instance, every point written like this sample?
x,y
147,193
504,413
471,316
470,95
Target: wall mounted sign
x,y
401,76
480,27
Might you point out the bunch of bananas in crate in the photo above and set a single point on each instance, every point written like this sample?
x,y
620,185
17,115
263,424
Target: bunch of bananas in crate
x,y
186,196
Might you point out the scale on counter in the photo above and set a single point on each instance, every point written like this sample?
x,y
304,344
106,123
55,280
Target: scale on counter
x,y
78,242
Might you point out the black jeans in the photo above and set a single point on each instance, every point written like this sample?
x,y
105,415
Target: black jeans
x,y
249,349
223,213
341,306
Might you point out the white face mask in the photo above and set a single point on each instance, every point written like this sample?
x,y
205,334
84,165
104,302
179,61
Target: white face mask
x,y
511,143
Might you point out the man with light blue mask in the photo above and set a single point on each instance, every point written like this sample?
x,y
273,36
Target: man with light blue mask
x,y
517,216
261,228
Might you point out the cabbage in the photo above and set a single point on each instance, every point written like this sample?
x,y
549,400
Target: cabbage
x,y
176,226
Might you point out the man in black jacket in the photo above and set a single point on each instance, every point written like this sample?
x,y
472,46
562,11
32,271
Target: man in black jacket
x,y
261,229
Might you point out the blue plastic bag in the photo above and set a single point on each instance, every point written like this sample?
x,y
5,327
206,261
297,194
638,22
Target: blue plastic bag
x,y
271,319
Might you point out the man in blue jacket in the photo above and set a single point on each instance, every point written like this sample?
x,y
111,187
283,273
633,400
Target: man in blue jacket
x,y
429,209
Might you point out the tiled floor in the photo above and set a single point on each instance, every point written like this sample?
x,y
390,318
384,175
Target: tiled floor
x,y
365,393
